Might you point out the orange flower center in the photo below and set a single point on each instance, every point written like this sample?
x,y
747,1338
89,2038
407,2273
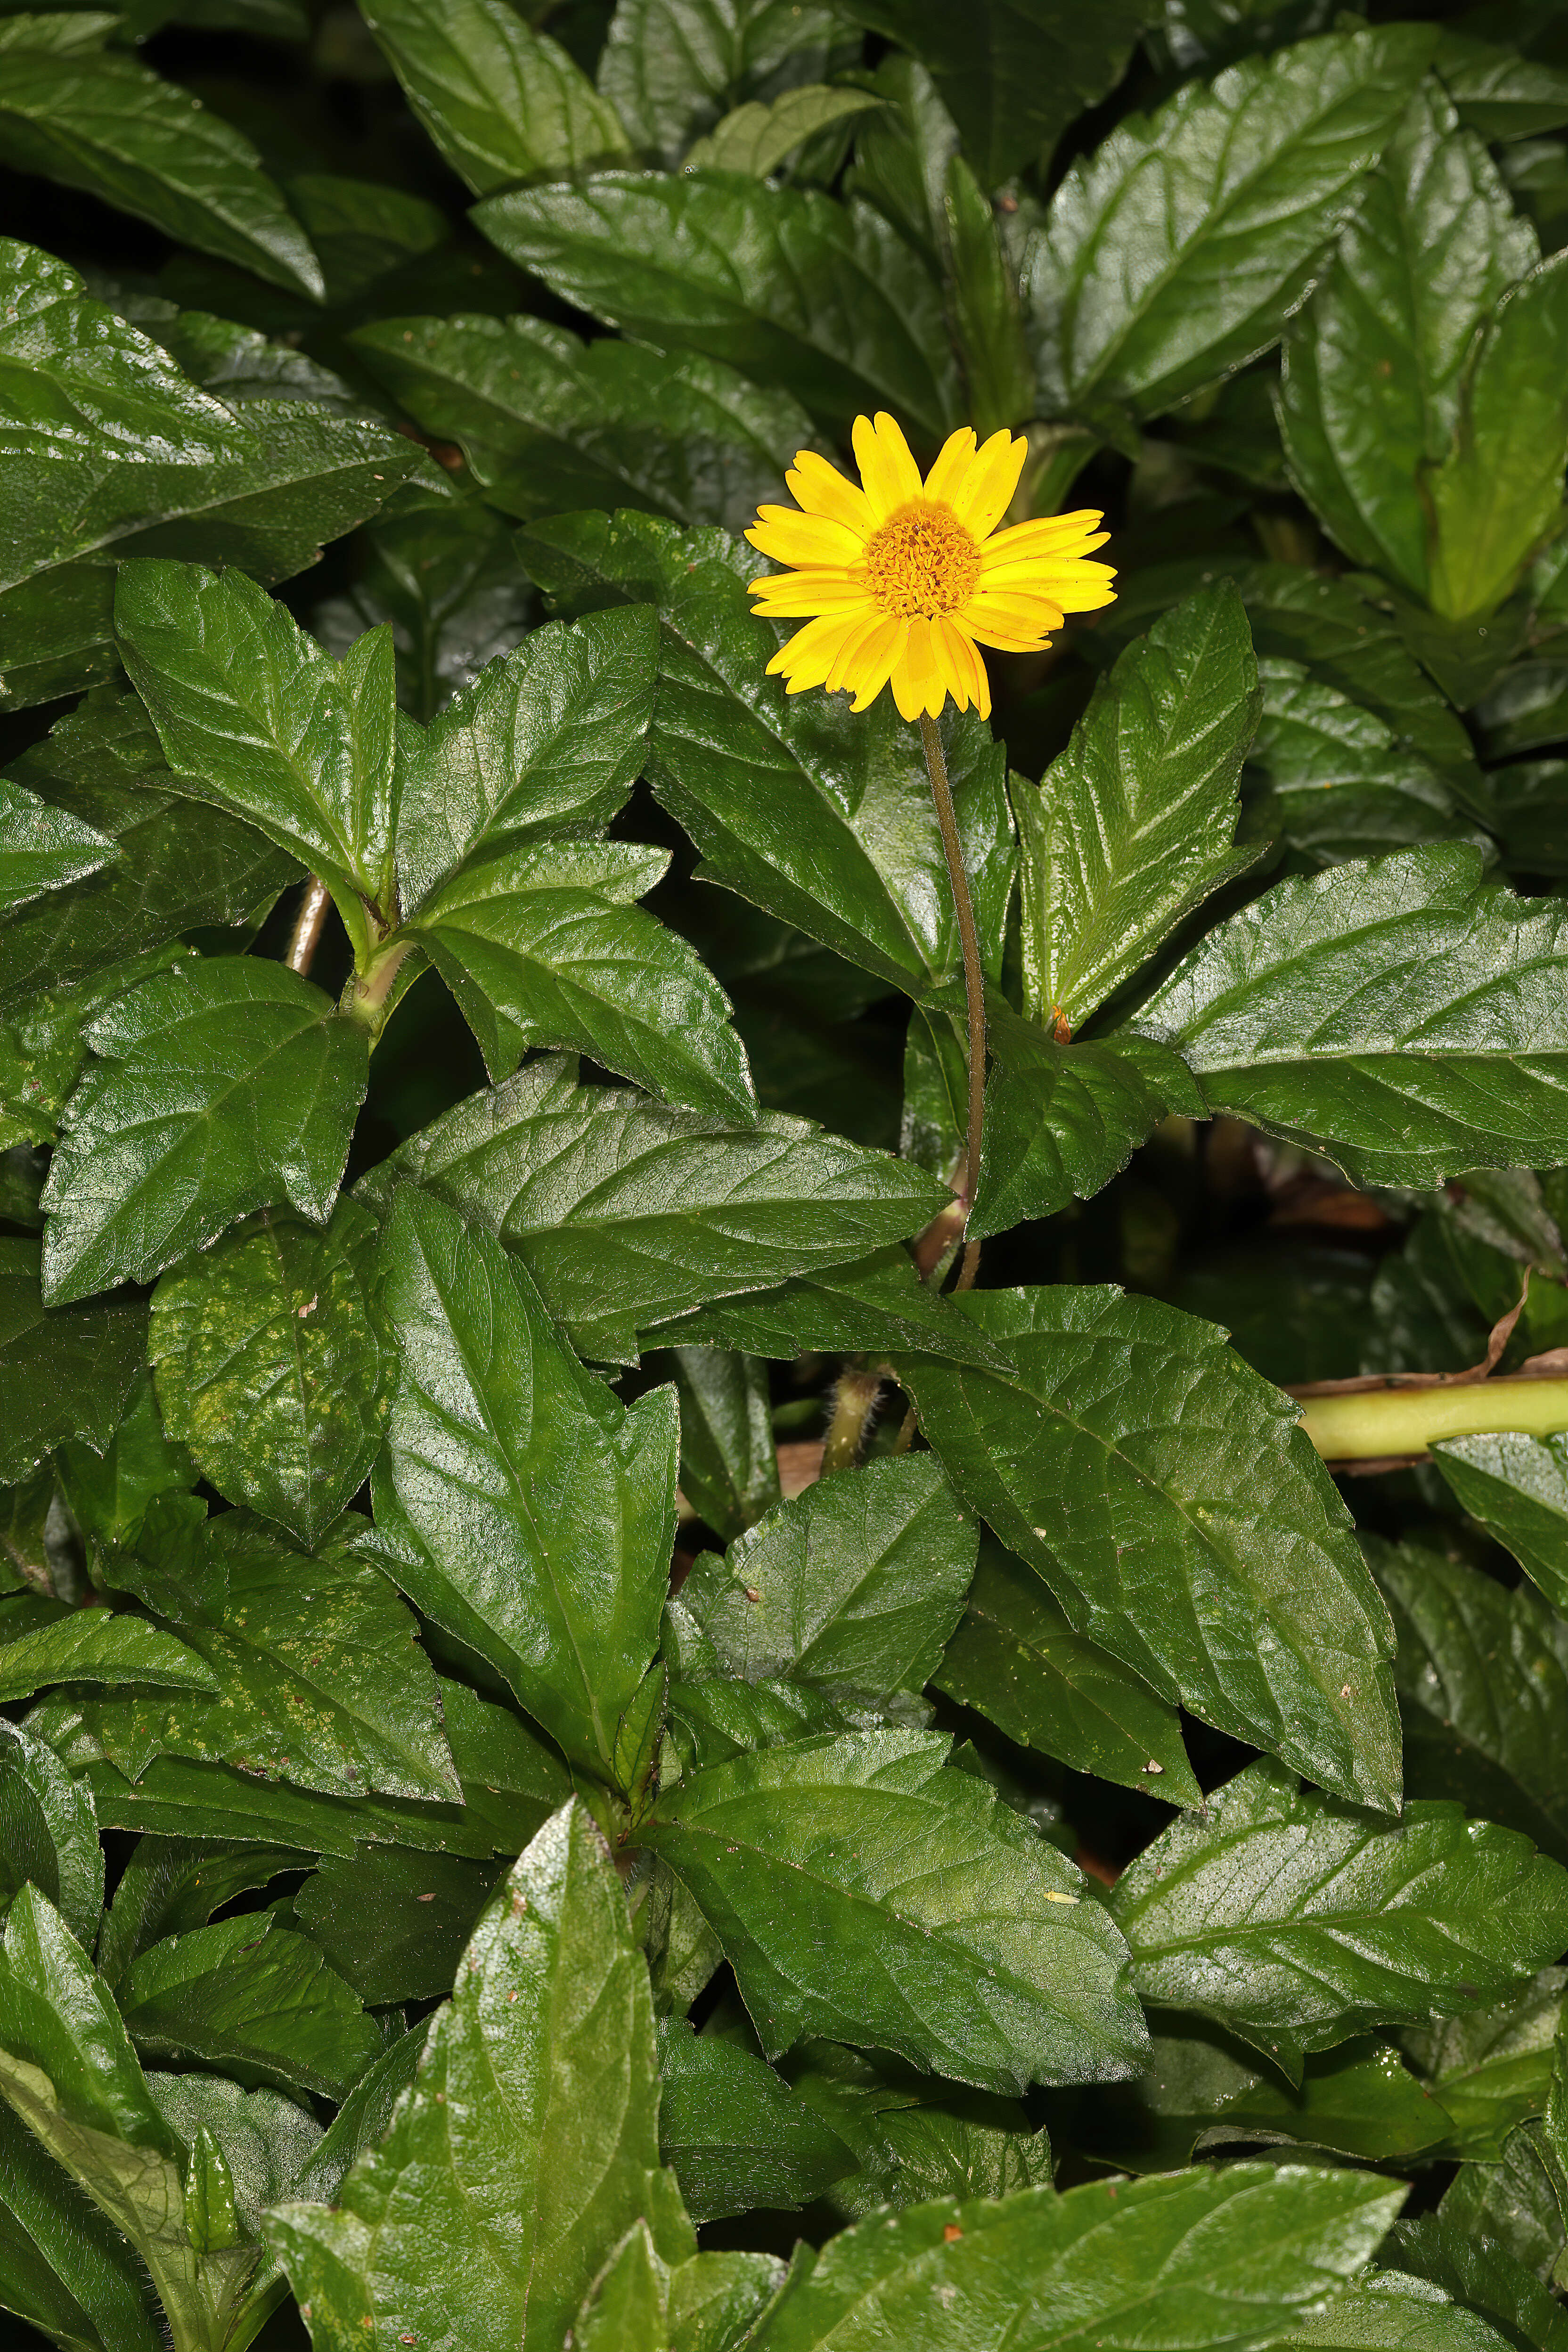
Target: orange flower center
x,y
921,559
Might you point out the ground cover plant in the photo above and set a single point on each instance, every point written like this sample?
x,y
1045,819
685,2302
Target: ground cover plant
x,y
784,1176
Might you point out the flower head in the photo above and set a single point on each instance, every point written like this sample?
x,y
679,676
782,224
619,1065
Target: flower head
x,y
903,580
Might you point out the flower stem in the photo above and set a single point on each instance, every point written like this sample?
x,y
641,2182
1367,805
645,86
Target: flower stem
x,y
973,978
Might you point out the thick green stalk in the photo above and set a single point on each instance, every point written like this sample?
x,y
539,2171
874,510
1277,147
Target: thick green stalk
x,y
1374,1424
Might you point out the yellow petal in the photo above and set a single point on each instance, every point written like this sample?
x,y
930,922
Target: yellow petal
x,y
1015,615
917,677
822,489
875,664
810,653
947,477
784,594
890,475
965,669
981,500
1047,535
805,540
847,659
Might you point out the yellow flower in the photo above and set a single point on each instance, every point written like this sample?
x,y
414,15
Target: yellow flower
x,y
904,579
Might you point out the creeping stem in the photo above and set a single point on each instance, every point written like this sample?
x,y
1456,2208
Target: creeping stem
x,y
1380,1424
973,977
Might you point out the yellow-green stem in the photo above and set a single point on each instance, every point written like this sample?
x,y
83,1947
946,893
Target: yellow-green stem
x,y
1373,1424
365,999
973,976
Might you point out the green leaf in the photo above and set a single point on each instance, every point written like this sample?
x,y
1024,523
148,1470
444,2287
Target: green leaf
x,y
672,67
108,1494
43,1052
528,2144
879,1306
1498,92
546,742
63,2266
511,1782
757,139
536,1515
1278,2241
1356,647
1202,2093
172,1884
107,124
817,816
549,423
177,1798
1373,384
1131,1459
68,2068
255,717
1517,1487
853,1586
1496,495
1062,1120
914,2136
445,576
1400,1016
361,2121
319,1677
178,867
248,1997
100,1645
1179,249
65,1372
862,1892
1134,823
1391,2312
1482,1674
44,849
1481,2272
274,1366
1017,1660
832,307
48,1832
735,2134
1335,784
1491,2069
729,1461
147,463
625,1212
220,1087
988,67
544,947
1511,2205
502,101
393,1923
997,365
1296,1922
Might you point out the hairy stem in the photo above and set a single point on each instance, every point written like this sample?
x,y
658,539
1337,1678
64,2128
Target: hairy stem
x,y
973,978
1378,1425
365,999
854,1410
308,925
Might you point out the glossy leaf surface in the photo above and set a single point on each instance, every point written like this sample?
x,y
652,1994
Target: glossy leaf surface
x,y
1396,1014
908,1881
1106,1467
1296,1922
527,2192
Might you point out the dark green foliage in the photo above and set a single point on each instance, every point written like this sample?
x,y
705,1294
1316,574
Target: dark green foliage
x,y
601,1640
